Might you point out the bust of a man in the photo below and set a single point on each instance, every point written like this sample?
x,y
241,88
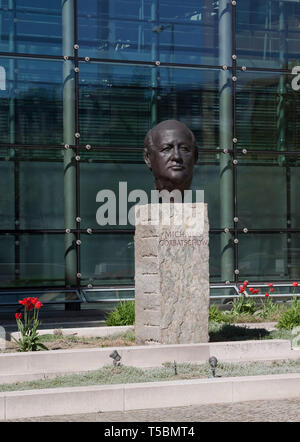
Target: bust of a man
x,y
170,152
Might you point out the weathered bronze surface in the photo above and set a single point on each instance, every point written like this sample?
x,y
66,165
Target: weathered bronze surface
x,y
170,152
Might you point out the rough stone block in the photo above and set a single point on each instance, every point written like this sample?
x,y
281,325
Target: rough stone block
x,y
173,266
146,283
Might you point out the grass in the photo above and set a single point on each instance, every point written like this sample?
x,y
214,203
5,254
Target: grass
x,y
124,375
127,338
60,342
248,312
218,332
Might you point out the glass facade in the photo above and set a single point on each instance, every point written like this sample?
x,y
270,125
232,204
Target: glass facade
x,y
82,81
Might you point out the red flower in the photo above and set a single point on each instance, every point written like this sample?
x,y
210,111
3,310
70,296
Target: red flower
x,y
251,289
245,283
31,303
266,295
27,302
242,289
270,284
255,291
295,284
271,290
18,315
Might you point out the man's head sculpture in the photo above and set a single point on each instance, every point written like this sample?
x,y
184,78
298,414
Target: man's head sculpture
x,y
170,152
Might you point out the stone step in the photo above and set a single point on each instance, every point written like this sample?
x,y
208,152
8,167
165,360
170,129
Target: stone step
x,y
20,366
125,397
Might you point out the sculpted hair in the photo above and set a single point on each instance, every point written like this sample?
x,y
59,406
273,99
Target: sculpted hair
x,y
148,141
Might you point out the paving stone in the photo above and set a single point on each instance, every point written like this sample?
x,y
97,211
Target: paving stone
x,y
254,411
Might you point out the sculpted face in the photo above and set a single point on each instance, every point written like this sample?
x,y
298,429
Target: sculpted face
x,y
171,156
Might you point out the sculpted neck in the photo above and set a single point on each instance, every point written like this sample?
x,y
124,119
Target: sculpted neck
x,y
170,186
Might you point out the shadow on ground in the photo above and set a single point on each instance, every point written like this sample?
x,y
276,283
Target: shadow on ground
x,y
228,332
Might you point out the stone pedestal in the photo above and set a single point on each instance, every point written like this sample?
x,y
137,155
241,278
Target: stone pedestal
x,y
171,277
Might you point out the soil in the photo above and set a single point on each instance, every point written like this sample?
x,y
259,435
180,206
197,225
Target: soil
x,y
69,343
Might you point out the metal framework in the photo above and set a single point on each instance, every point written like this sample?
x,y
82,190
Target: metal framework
x,y
230,152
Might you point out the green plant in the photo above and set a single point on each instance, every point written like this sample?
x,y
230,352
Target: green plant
x,y
291,317
123,314
29,339
215,314
269,308
244,305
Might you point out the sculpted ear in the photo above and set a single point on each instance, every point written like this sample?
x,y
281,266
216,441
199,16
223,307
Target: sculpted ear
x,y
147,158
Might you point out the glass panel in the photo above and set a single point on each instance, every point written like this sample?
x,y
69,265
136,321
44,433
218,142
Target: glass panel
x,y
50,297
31,26
38,177
31,101
268,111
7,197
107,259
268,33
42,260
41,196
7,270
294,174
293,256
32,260
222,295
96,177
262,192
215,263
263,257
169,31
108,296
119,104
191,96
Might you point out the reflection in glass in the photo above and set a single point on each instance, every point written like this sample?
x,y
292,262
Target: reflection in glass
x,y
41,260
31,104
31,260
169,31
268,33
115,295
7,203
31,26
263,257
41,203
262,192
107,259
7,269
215,263
268,111
294,194
119,104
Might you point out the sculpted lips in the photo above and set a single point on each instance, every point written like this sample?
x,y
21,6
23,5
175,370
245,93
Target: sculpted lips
x,y
176,167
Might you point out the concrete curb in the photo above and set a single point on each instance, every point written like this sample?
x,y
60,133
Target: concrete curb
x,y
92,332
18,367
125,397
84,332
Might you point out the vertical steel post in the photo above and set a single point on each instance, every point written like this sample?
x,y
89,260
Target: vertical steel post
x,y
225,136
12,136
155,71
69,139
281,133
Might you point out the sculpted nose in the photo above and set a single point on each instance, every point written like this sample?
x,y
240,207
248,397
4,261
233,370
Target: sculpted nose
x,y
176,154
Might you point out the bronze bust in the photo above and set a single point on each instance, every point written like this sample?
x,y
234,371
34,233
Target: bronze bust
x,y
170,152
